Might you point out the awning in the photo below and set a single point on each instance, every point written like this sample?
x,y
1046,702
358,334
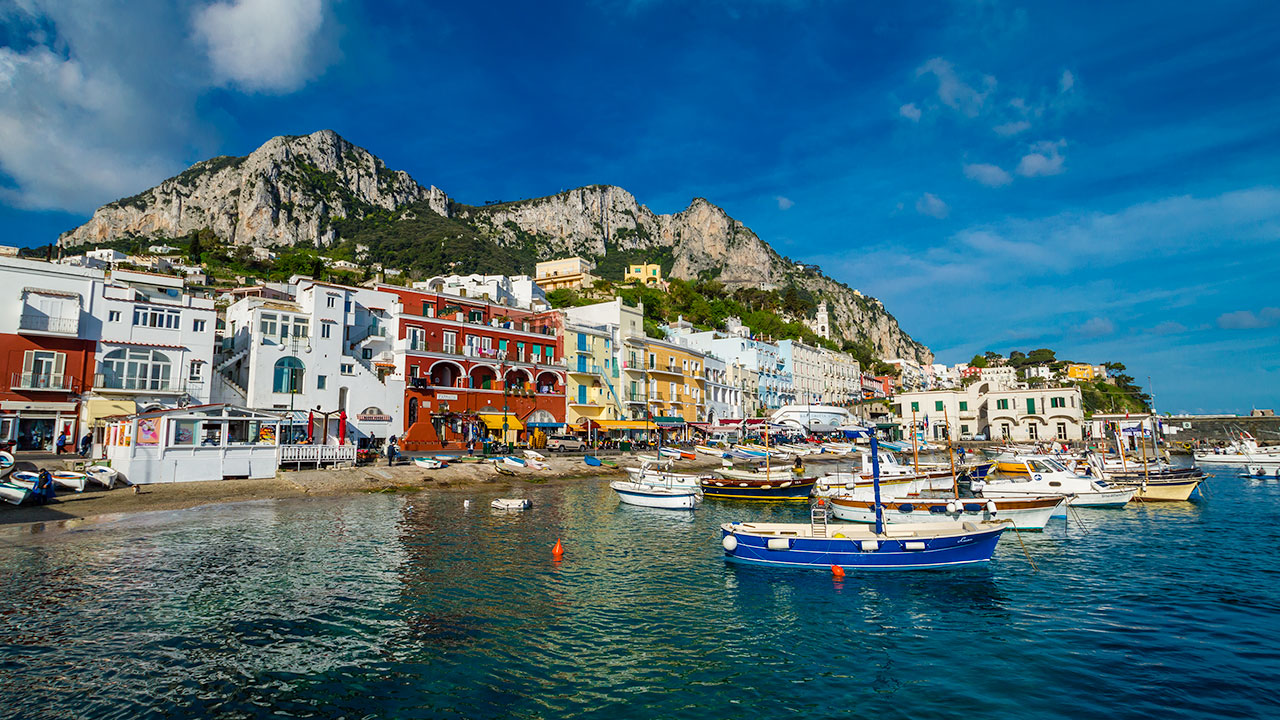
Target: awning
x,y
668,421
543,424
494,422
623,424
98,408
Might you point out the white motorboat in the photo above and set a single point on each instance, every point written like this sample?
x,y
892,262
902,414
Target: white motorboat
x,y
1025,513
1243,451
672,497
651,474
852,484
511,504
1046,476
811,418
776,474
1261,472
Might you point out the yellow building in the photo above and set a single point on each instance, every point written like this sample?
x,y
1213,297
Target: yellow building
x,y
573,272
650,274
593,390
1080,371
673,377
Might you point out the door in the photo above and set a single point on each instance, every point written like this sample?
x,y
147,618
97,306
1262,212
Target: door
x,y
582,394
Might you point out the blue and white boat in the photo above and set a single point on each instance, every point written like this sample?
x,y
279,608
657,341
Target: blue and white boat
x,y
671,497
860,547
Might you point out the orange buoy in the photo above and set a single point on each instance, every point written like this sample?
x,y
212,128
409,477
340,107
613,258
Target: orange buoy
x,y
837,572
558,550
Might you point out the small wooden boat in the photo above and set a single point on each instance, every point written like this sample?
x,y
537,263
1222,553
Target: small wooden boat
x,y
70,480
25,478
1025,513
534,455
6,463
708,450
672,453
1169,489
514,461
789,490
103,475
591,460
687,455
672,497
901,547
785,472
511,504
14,494
428,463
609,463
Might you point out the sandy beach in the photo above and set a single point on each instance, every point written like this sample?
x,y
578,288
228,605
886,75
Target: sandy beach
x,y
305,483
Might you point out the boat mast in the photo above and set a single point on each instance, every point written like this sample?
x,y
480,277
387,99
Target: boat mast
x,y
951,454
875,482
1120,449
915,451
1146,472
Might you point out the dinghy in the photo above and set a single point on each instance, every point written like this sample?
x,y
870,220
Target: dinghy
x,y
672,497
6,463
14,494
708,450
591,460
511,504
534,455
103,475
514,461
428,463
70,480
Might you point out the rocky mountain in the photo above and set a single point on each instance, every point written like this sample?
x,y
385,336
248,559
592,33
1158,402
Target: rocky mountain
x,y
321,190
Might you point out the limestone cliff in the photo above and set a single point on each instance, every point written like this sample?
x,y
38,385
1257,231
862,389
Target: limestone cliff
x,y
283,193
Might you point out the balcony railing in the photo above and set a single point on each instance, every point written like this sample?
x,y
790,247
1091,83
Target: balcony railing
x,y
463,383
164,386
36,322
480,353
49,382
317,453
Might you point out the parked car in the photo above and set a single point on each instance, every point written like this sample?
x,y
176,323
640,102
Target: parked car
x,y
564,443
980,436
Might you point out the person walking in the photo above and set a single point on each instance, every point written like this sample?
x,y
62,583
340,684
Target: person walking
x,y
86,444
61,444
392,451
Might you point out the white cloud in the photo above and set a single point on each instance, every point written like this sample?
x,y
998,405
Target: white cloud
x,y
989,175
784,203
1095,327
955,92
1247,320
1012,128
910,112
1045,158
1169,327
1067,82
933,206
264,45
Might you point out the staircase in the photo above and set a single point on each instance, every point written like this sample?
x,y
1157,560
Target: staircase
x,y
231,392
818,518
232,359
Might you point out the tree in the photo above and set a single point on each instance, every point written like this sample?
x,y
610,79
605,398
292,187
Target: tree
x,y
979,361
1041,356
1017,358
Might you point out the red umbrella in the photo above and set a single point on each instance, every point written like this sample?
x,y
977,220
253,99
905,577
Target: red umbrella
x,y
311,420
342,427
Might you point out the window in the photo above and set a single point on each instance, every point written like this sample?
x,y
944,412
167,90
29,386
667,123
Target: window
x,y
325,329
417,339
43,369
915,407
1057,402
366,353
653,361
331,301
288,375
937,405
1002,404
1033,432
113,316
1031,406
964,405
156,318
1004,430
267,325
197,325
347,368
300,328
135,369
413,410
320,381
193,374
964,429
673,390
1062,431
428,310
450,341
346,305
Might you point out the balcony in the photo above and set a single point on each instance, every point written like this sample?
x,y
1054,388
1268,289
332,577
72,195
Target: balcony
x,y
46,382
50,324
510,355
134,385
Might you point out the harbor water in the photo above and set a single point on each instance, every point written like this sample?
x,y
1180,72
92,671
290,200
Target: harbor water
x,y
410,606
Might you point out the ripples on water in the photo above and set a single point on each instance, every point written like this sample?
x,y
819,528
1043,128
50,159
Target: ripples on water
x,y
384,606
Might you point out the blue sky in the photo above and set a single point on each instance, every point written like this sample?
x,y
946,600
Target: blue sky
x,y
1097,179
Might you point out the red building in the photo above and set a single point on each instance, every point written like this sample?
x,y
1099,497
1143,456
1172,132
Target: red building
x,y
45,360
472,367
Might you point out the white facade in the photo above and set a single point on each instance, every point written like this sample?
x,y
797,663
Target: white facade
x,y
774,387
805,364
519,291
723,398
330,350
841,378
1003,377
983,408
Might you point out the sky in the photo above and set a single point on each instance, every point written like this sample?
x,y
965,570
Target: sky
x,y
1102,179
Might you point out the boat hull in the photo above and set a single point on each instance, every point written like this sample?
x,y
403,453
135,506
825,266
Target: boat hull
x,y
774,490
1237,459
911,547
1117,498
667,498
14,494
1024,513
1165,490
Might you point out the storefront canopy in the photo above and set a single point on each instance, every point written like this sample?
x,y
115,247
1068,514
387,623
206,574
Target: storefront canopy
x,y
623,424
494,422
668,421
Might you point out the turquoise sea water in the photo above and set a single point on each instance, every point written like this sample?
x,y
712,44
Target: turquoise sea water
x,y
408,606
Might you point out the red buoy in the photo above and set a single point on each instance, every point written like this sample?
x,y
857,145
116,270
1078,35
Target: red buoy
x,y
837,572
558,550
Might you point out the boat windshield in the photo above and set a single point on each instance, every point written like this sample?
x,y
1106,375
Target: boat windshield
x,y
1039,466
1054,465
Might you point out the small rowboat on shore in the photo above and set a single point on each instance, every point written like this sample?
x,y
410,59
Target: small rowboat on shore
x,y
591,460
14,494
670,497
103,475
428,463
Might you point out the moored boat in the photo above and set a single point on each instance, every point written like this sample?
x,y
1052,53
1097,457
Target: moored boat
x,y
901,547
787,490
1023,513
1259,472
671,497
1042,475
511,504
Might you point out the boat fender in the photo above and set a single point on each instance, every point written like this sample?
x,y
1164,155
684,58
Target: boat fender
x,y
991,506
906,508
779,544
972,507
870,545
952,508
913,545
840,535
730,543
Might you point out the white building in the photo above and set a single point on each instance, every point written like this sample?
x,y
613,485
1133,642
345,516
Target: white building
x,y
774,388
1003,377
519,291
805,364
1016,415
155,345
330,350
821,324
841,378
107,255
723,398
911,376
747,381
162,249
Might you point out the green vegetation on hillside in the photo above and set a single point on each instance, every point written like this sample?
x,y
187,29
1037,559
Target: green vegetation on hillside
x,y
1115,393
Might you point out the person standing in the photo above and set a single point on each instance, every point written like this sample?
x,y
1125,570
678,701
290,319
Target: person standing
x,y
86,444
392,451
